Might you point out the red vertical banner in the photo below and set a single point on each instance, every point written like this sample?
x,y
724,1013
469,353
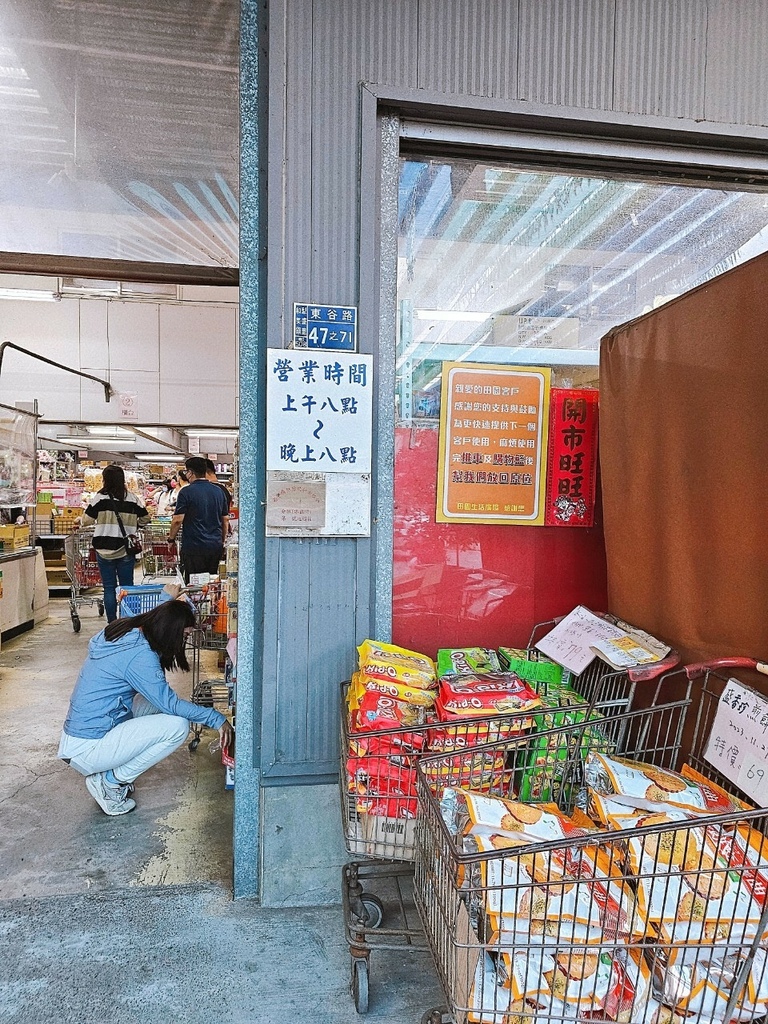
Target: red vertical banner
x,y
572,458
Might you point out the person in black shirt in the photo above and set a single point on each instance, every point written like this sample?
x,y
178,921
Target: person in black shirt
x,y
202,509
210,475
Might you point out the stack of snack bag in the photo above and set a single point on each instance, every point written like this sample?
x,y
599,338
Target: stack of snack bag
x,y
472,685
701,887
393,689
555,928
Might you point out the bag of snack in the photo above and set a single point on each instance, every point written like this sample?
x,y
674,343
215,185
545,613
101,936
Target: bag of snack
x,y
568,895
687,888
551,757
447,737
377,711
532,671
386,661
399,746
698,981
489,1002
466,661
405,692
479,770
486,694
647,782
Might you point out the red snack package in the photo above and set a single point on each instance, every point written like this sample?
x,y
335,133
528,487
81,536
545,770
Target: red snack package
x,y
502,692
388,807
378,711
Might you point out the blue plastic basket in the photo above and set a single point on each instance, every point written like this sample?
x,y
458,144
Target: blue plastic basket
x,y
137,600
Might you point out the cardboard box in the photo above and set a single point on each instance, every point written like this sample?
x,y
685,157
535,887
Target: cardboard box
x,y
21,536
7,534
389,838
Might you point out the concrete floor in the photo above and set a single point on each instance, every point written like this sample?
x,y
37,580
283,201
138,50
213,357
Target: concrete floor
x,y
54,838
130,920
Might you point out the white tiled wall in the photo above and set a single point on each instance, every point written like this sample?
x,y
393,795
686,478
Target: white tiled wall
x,y
180,359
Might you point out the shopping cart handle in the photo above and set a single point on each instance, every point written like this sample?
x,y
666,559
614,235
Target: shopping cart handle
x,y
701,668
644,673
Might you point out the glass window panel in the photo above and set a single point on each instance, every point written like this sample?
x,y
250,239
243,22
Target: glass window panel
x,y
505,264
118,129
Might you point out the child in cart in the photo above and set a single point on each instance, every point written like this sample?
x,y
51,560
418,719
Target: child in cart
x,y
123,716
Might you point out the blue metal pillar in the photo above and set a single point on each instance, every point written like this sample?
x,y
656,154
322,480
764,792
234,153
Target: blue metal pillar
x,y
253,164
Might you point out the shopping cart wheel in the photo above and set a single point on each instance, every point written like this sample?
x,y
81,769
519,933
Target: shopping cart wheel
x,y
374,910
76,623
100,607
440,1015
360,983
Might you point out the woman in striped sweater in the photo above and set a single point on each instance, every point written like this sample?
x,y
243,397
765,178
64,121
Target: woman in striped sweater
x,y
114,503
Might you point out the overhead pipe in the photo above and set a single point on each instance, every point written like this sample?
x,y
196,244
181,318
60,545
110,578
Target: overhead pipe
x,y
108,389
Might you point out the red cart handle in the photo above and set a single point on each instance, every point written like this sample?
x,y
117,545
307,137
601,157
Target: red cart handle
x,y
701,668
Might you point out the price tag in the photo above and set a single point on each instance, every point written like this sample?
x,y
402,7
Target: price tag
x,y
738,742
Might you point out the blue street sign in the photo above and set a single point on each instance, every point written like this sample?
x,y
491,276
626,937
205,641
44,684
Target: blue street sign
x,y
325,327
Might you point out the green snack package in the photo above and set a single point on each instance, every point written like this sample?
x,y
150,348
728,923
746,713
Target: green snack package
x,y
542,779
466,661
533,671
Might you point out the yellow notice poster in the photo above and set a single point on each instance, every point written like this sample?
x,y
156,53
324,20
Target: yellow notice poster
x,y
493,444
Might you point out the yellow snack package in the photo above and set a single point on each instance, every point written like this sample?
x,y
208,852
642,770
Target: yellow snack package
x,y
400,691
389,662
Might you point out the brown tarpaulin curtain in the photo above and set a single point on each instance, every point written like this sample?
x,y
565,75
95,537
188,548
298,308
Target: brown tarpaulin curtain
x,y
684,464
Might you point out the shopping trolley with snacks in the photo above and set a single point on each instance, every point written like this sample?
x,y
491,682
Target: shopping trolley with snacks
x,y
210,634
633,889
379,805
159,556
84,575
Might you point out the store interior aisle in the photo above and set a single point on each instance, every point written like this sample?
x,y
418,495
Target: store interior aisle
x,y
54,839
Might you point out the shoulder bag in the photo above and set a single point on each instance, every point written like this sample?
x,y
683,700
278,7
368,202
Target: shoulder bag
x,y
132,541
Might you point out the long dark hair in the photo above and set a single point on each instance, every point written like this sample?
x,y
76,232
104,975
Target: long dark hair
x,y
114,483
163,630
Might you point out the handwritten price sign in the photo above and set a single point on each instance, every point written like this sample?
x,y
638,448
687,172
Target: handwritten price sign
x,y
738,742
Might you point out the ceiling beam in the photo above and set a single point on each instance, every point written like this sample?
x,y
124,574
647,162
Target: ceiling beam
x,y
117,270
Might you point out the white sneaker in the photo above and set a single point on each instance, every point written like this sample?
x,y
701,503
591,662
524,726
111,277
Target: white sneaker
x,y
111,799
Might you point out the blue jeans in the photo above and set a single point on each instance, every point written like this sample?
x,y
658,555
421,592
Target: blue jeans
x,y
114,571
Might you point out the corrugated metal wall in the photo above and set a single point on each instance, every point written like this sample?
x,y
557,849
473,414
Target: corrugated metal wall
x,y
693,59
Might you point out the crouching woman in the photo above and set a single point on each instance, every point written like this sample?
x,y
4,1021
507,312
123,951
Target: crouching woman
x,y
123,716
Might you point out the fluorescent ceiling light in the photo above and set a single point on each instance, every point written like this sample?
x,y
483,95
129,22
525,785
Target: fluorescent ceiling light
x,y
29,294
111,432
211,433
86,441
457,315
161,459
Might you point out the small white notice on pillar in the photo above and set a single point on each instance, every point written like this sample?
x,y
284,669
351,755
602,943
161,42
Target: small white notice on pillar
x,y
129,405
738,741
297,504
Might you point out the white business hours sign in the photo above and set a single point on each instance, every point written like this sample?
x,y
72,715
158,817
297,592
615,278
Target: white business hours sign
x,y
319,411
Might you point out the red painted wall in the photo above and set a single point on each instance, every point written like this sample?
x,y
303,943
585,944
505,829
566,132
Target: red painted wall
x,y
458,586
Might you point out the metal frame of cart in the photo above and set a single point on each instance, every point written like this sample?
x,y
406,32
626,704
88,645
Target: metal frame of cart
x,y
499,959
390,854
83,571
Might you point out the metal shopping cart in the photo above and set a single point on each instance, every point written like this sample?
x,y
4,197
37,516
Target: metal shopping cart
x,y
382,827
658,914
159,556
210,634
83,572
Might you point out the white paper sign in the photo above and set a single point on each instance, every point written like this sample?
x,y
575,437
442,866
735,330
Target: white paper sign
x,y
319,411
569,642
129,405
738,742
